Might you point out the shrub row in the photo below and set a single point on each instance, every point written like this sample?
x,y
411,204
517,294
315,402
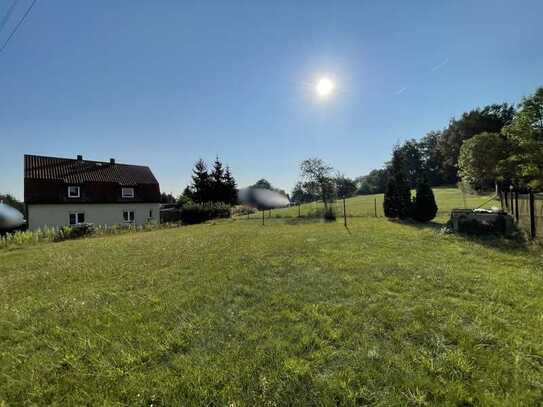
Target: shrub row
x,y
197,213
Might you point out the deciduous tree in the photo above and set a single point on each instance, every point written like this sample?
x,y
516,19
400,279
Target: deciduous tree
x,y
526,134
345,187
318,179
489,119
479,159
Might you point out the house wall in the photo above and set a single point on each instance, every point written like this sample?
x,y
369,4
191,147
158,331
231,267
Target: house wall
x,y
56,215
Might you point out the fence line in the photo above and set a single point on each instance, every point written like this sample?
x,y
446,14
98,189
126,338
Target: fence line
x,y
372,207
526,209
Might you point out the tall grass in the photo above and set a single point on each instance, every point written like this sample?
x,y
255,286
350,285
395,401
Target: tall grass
x,y
32,237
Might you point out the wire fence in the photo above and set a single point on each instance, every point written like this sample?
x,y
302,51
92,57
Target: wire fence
x,y
526,209
372,206
317,208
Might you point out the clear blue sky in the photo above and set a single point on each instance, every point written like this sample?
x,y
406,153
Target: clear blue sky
x,y
163,83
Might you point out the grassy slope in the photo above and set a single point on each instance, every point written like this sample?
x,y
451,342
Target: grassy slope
x,y
240,314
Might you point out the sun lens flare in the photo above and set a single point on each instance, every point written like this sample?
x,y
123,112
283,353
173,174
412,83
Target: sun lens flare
x,y
325,87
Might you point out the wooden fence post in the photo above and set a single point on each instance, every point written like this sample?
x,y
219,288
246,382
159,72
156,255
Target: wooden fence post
x,y
516,206
344,213
299,210
532,215
375,206
262,217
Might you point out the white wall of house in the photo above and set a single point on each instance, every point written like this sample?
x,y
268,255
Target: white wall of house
x,y
55,215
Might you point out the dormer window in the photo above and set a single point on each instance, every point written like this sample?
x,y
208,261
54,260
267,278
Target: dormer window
x,y
127,192
74,191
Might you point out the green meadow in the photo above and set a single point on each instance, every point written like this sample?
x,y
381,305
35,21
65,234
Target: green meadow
x,y
371,205
296,312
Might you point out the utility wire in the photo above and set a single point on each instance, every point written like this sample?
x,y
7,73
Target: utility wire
x,y
17,26
8,14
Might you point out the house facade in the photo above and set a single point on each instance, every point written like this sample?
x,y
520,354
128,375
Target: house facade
x,y
64,191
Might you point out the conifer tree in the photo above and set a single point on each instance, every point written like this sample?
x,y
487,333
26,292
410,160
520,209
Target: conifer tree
x,y
218,187
397,202
201,183
424,204
230,187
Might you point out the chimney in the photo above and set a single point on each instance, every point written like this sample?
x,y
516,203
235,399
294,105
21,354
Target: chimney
x,y
112,160
79,158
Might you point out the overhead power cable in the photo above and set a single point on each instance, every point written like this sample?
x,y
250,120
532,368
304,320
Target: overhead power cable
x,y
27,12
8,14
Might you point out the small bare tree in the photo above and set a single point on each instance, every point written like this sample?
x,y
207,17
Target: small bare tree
x,y
317,177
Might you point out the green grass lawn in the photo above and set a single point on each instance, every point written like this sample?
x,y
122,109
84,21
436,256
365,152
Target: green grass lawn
x,y
367,205
239,314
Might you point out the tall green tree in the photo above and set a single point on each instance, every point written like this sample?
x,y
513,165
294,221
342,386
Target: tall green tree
x,y
397,200
201,183
413,161
433,159
231,191
218,190
479,159
489,119
317,176
525,133
345,187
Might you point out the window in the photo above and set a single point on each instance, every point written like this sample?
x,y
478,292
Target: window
x,y
77,218
127,192
73,192
128,216
150,213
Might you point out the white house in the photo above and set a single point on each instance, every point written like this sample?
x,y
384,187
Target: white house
x,y
64,191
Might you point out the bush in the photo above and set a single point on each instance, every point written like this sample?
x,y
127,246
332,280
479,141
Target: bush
x,y
424,207
198,213
241,210
74,232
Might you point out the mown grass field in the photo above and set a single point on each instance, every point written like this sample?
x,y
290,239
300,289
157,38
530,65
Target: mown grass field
x,y
292,313
369,205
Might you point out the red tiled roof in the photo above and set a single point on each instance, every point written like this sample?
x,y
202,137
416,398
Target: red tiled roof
x,y
78,171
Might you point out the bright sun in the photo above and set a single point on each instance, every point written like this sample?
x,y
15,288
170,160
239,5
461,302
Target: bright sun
x,y
324,87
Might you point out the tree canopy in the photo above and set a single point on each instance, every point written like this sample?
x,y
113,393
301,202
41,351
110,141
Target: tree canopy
x,y
317,179
217,186
345,187
263,184
479,159
489,119
525,134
